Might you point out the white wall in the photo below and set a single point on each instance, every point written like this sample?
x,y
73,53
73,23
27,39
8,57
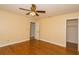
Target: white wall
x,y
53,29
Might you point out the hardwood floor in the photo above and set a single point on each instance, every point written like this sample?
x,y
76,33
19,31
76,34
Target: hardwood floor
x,y
72,46
35,47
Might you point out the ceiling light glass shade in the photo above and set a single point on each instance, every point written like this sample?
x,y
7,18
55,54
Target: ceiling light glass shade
x,y
32,14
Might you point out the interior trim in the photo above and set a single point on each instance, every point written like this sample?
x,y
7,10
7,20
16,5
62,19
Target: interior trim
x,y
54,43
12,42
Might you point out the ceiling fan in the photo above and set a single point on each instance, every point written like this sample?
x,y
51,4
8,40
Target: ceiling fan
x,y
33,11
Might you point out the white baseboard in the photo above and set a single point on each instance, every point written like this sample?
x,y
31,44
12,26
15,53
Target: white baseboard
x,y
12,42
54,43
19,41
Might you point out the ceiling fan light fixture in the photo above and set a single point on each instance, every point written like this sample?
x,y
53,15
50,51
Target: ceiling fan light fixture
x,y
32,13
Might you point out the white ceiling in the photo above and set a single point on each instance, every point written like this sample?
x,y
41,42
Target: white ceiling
x,y
51,9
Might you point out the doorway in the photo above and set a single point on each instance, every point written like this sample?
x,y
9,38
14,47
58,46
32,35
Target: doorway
x,y
72,34
32,30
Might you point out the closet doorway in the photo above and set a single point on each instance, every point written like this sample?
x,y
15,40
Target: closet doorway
x,y
72,34
32,30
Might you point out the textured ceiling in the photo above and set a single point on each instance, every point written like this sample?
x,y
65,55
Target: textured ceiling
x,y
51,9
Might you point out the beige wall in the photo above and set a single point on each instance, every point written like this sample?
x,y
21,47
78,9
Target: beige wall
x,y
53,29
13,28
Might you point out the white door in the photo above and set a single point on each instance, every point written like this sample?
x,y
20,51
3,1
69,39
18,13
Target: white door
x,y
37,31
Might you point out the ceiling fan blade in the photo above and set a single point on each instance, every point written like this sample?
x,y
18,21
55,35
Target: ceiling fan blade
x,y
37,14
24,9
28,13
41,11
